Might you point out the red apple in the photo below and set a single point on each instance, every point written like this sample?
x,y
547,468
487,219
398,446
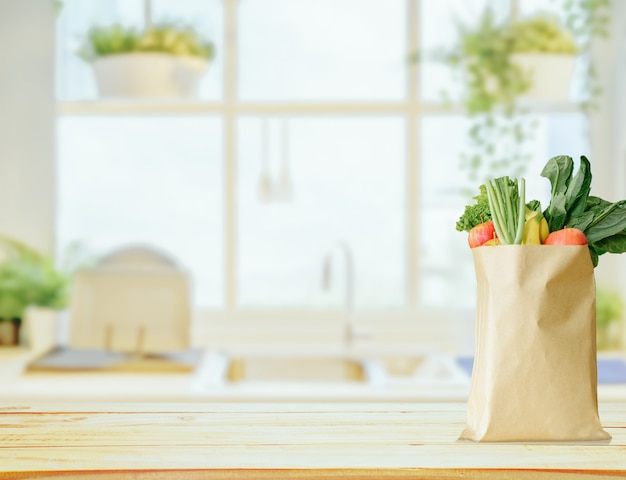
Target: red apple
x,y
566,236
480,234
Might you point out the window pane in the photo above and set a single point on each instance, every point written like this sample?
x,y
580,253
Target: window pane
x,y
322,50
75,78
447,275
145,180
348,184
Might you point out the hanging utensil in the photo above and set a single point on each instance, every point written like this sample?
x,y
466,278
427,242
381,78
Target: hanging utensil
x,y
285,189
265,189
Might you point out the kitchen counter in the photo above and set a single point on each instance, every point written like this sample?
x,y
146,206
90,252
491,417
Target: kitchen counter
x,y
264,441
19,386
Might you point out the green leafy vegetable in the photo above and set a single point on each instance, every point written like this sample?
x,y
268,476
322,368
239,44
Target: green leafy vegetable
x,y
475,214
559,171
534,205
582,222
608,220
578,190
613,244
602,222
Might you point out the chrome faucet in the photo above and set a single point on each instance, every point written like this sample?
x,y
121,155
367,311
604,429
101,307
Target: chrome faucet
x,y
348,329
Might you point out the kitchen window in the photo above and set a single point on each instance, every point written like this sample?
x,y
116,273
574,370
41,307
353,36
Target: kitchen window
x,y
311,129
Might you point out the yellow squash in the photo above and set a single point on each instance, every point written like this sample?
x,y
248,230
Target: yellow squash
x,y
535,228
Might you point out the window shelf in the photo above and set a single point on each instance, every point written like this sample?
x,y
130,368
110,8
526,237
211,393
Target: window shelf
x,y
274,108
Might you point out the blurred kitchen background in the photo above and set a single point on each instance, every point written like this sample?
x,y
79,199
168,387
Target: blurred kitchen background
x,y
309,184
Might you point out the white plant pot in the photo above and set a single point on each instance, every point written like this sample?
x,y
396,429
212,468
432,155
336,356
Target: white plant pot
x,y
148,75
40,330
551,75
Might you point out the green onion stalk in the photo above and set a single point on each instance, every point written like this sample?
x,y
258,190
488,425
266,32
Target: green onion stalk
x,y
507,202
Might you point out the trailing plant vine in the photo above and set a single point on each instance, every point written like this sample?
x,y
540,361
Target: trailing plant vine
x,y
494,83
500,126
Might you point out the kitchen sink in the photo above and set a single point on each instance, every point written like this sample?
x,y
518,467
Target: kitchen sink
x,y
286,371
219,369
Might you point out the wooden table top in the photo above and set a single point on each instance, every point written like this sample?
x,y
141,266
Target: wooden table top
x,y
268,441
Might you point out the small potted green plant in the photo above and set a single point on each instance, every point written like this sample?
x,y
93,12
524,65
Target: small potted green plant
x,y
545,53
503,65
609,318
27,278
501,62
165,60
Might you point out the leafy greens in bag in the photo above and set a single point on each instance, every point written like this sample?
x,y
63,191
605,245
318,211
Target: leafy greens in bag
x,y
571,205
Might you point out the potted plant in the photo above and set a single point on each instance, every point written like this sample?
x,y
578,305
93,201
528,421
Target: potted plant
x,y
27,278
502,64
165,60
545,54
609,317
507,66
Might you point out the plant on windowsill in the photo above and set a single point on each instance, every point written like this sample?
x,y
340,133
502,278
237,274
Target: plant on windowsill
x,y
501,82
609,318
503,66
165,60
27,278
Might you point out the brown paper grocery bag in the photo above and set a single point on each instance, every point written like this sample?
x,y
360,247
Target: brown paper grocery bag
x,y
534,376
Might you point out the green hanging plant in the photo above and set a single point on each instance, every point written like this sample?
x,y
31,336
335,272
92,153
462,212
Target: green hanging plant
x,y
494,83
485,55
484,59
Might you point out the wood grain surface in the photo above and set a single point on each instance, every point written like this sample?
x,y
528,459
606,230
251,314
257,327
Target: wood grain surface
x,y
263,441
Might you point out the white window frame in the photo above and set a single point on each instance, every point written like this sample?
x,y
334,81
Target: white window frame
x,y
230,108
